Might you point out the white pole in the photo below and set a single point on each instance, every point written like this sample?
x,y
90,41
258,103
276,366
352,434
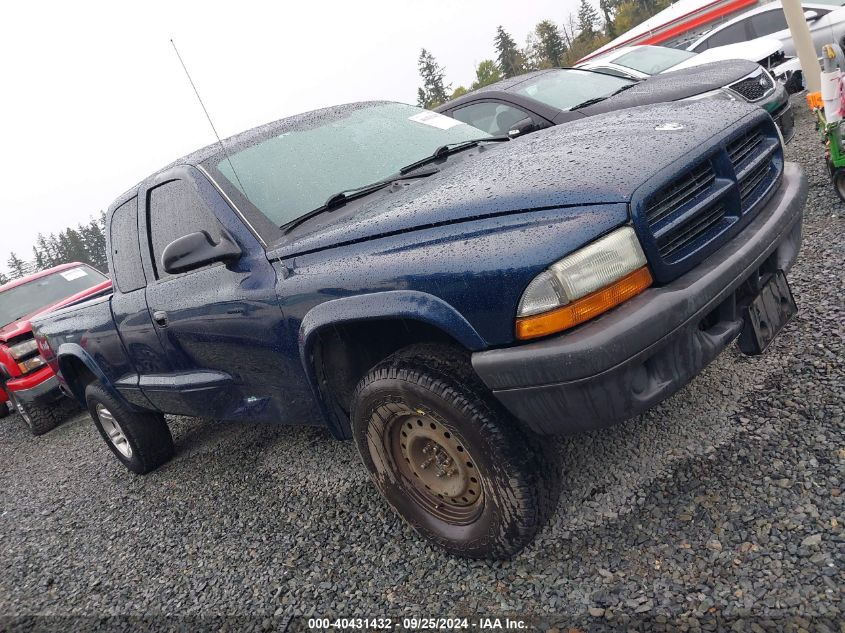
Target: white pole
x,y
794,13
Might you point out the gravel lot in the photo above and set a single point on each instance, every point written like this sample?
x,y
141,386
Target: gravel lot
x,y
722,507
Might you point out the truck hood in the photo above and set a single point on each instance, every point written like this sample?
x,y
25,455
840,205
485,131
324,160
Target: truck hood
x,y
592,161
24,324
677,84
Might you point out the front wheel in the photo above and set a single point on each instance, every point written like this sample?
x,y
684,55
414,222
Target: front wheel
x,y
39,419
447,458
140,440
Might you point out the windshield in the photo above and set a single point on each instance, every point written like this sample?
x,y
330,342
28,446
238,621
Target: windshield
x,y
39,293
652,60
288,175
569,87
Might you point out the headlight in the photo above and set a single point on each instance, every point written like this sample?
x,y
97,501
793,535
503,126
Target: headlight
x,y
720,94
19,350
30,364
581,286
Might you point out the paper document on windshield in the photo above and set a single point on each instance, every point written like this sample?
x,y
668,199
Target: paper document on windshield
x,y
435,119
73,273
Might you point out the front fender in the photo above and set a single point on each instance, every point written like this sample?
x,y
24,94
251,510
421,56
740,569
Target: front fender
x,y
393,304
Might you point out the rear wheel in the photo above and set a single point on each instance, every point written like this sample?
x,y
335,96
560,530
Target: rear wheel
x,y
140,440
448,459
4,409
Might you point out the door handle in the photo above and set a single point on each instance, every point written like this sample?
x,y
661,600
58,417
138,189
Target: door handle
x,y
160,317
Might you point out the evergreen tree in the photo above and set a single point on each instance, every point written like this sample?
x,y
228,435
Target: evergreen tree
x,y
588,17
38,260
485,74
550,46
433,91
508,56
4,279
17,267
607,8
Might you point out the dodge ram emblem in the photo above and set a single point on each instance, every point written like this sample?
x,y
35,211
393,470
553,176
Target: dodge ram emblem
x,y
669,127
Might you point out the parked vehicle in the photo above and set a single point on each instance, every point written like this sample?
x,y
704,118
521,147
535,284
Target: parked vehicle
x,y
442,296
826,21
556,96
643,61
27,381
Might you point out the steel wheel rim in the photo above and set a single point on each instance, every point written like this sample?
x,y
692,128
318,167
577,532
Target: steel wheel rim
x,y
114,433
434,467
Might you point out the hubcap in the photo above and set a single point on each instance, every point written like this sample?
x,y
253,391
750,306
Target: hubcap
x,y
113,431
437,468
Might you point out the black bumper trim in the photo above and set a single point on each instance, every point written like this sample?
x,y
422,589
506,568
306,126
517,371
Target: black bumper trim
x,y
42,394
640,353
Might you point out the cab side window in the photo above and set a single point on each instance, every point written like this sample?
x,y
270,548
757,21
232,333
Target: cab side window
x,y
728,35
768,22
125,248
494,118
175,209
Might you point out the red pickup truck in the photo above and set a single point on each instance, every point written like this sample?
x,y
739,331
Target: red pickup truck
x,y
25,380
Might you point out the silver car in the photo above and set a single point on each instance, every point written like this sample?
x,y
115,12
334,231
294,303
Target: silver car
x,y
825,19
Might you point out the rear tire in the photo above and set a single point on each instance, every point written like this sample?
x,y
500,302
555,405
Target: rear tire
x,y
4,409
140,440
448,458
40,419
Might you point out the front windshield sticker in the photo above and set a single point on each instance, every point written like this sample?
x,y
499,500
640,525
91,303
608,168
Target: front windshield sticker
x,y
435,119
73,273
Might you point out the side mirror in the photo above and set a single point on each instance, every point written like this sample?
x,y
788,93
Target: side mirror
x,y
811,16
195,250
523,126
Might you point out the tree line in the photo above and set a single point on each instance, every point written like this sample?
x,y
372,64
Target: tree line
x,y
548,45
86,243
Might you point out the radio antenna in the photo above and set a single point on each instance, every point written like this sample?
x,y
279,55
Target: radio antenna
x,y
208,116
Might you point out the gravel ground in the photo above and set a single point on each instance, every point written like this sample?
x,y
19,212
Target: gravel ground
x,y
720,508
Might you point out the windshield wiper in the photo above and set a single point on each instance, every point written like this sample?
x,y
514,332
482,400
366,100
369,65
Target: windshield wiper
x,y
451,148
337,200
595,100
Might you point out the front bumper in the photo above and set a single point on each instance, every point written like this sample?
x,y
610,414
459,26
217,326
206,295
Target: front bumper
x,y
42,394
640,353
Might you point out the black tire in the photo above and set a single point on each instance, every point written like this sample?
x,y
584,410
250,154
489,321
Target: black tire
x,y
40,419
432,393
145,435
838,179
4,409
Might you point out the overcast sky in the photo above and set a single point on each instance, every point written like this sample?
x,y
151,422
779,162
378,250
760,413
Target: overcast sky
x,y
93,97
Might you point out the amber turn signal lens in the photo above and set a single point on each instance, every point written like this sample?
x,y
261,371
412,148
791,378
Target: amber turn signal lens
x,y
585,308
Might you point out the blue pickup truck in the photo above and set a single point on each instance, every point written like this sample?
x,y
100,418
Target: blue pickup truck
x,y
444,297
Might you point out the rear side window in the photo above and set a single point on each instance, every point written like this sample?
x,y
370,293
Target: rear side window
x,y
493,118
175,209
125,248
768,22
728,35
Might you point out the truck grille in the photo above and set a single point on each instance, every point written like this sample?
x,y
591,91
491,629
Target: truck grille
x,y
754,87
710,202
678,193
